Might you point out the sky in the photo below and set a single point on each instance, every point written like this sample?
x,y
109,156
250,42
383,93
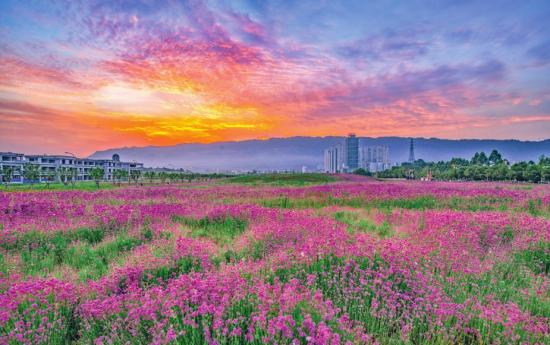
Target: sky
x,y
82,76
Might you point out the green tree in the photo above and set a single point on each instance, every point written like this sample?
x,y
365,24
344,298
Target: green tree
x,y
74,175
495,157
48,176
119,175
31,172
499,172
65,175
150,175
479,158
163,175
543,160
97,174
174,177
182,177
135,175
7,174
545,173
362,172
467,173
532,173
459,162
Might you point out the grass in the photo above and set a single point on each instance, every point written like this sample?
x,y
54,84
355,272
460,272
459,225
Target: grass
x,y
91,262
283,179
536,258
37,187
511,281
348,284
85,250
37,238
426,202
162,274
220,230
356,223
335,277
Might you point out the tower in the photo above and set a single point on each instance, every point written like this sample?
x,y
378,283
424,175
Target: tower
x,y
351,147
411,152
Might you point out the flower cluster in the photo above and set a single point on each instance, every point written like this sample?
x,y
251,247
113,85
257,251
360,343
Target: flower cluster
x,y
346,263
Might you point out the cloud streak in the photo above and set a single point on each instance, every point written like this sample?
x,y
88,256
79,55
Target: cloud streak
x,y
163,72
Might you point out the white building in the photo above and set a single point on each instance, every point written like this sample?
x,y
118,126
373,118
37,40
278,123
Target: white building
x,y
374,158
334,159
52,163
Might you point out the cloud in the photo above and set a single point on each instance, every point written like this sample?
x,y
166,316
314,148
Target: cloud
x,y
452,82
387,45
165,71
540,53
16,71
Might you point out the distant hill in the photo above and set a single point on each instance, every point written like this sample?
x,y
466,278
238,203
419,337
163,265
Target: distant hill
x,y
295,152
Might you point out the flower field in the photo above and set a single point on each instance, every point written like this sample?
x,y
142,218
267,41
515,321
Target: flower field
x,y
355,261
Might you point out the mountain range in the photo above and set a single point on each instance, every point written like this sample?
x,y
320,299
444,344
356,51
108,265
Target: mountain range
x,y
295,152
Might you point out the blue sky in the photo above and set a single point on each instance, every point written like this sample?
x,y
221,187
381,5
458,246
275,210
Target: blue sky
x,y
165,72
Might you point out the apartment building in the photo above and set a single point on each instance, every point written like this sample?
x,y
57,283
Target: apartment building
x,y
334,159
374,158
52,163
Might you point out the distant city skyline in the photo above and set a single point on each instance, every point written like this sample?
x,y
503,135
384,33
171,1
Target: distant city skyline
x,y
61,152
349,156
90,75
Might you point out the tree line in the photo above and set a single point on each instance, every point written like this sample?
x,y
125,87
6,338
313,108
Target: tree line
x,y
481,167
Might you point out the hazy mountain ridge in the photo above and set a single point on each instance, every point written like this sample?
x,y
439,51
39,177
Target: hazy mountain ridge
x,y
295,152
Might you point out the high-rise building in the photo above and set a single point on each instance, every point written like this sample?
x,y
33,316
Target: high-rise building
x,y
374,158
334,159
411,152
351,145
348,157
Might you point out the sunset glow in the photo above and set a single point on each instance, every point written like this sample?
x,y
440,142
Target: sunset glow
x,y
90,75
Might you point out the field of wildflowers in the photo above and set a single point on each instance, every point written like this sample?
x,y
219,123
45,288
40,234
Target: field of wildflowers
x,y
349,262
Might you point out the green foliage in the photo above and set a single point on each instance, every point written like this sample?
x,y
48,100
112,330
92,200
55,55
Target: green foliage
x,y
31,172
479,203
495,157
479,168
6,174
66,174
221,230
93,262
283,179
120,175
49,176
97,174
37,238
3,267
536,258
81,185
356,223
418,203
135,175
160,275
362,172
507,235
89,235
505,282
150,175
41,254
